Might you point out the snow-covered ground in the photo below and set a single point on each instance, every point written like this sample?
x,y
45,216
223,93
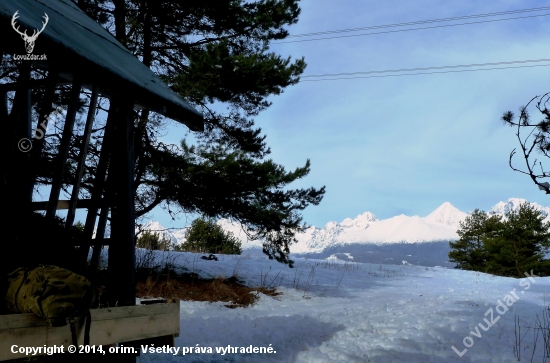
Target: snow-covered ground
x,y
334,311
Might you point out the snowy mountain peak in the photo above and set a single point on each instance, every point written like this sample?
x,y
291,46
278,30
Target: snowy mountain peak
x,y
331,224
503,208
361,221
152,226
446,214
158,229
512,204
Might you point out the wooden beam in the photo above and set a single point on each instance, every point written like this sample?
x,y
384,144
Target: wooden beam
x,y
101,225
99,242
82,159
63,79
65,204
109,326
37,83
63,153
99,185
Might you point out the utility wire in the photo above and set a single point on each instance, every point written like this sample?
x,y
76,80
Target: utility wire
x,y
421,22
425,68
415,74
406,30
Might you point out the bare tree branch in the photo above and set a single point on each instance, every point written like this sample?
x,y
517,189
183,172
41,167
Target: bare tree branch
x,y
538,139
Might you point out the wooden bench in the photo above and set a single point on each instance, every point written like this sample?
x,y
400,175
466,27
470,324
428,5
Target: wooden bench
x,y
158,323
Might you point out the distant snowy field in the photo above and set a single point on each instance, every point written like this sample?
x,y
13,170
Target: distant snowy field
x,y
335,311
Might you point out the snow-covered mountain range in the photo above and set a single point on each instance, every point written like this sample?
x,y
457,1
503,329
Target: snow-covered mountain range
x,y
512,204
439,225
161,231
366,228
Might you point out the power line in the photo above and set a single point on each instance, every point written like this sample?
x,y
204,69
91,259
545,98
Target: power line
x,y
426,68
413,29
415,74
421,22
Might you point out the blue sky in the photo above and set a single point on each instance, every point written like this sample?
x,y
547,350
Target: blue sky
x,y
405,145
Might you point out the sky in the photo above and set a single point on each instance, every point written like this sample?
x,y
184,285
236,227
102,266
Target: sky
x,y
407,144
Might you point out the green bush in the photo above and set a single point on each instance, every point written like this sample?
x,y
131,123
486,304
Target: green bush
x,y
205,236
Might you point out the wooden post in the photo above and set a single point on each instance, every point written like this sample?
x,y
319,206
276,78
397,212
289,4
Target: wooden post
x,y
43,119
122,255
101,225
99,182
20,141
63,152
3,107
82,159
122,248
42,124
15,172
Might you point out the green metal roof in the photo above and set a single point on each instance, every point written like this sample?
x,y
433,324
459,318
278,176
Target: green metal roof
x,y
76,43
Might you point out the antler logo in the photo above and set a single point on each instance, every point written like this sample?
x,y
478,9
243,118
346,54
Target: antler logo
x,y
29,40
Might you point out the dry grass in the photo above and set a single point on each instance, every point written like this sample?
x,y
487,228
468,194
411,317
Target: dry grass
x,y
190,286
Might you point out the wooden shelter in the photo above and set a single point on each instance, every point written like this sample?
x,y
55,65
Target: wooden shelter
x,y
74,50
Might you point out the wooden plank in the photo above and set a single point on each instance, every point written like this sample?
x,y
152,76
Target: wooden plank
x,y
102,332
64,204
135,311
13,321
129,329
109,326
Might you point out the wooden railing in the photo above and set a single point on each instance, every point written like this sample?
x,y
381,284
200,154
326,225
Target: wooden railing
x,y
132,324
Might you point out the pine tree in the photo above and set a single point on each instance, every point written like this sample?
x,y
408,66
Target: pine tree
x,y
153,241
205,236
212,53
507,246
469,251
521,244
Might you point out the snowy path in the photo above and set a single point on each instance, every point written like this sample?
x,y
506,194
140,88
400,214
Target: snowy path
x,y
359,313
